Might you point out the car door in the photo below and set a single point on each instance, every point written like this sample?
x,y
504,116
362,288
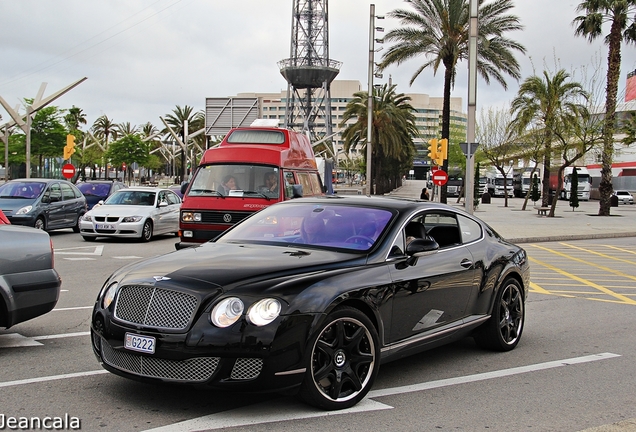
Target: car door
x,y
53,205
71,204
434,290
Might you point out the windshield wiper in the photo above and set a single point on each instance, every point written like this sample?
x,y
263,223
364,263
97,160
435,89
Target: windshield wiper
x,y
257,193
206,191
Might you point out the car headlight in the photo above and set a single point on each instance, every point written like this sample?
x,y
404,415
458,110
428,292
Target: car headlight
x,y
132,219
109,295
86,217
263,311
227,312
190,217
24,210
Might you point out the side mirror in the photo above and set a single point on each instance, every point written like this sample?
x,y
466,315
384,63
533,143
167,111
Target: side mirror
x,y
162,204
184,187
297,191
421,247
46,199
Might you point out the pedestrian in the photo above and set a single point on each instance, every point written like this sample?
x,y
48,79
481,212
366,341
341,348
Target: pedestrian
x,y
424,195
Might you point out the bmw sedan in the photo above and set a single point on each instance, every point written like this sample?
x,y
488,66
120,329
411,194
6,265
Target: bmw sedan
x,y
311,296
140,213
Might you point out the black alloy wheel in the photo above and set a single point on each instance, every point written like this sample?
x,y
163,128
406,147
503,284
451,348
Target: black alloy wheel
x,y
503,330
343,360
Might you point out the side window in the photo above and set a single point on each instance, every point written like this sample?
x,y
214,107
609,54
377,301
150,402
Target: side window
x,y
471,230
289,181
67,192
305,181
173,198
443,228
55,192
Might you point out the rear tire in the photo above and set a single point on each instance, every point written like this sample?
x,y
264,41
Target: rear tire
x,y
76,227
503,330
342,361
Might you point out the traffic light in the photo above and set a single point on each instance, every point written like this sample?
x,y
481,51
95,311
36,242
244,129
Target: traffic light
x,y
432,150
442,151
69,149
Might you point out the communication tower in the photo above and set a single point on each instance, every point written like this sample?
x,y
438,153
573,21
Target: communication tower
x,y
309,71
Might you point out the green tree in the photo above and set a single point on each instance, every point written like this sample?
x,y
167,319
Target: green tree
x,y
74,118
574,189
547,103
621,17
438,31
176,121
393,132
48,135
128,150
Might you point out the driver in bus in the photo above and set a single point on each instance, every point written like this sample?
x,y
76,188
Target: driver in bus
x,y
271,184
229,183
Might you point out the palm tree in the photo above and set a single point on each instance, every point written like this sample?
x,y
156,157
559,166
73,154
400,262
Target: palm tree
x,y
438,30
176,122
393,132
620,14
547,103
126,129
104,128
74,118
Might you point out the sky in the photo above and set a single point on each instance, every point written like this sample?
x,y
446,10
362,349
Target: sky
x,y
143,58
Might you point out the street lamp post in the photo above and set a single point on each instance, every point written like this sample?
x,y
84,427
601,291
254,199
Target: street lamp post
x,y
372,30
472,106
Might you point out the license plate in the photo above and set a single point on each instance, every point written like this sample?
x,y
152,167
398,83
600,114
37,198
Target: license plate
x,y
144,344
104,226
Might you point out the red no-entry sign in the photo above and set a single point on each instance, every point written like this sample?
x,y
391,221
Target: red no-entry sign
x,y
68,171
440,177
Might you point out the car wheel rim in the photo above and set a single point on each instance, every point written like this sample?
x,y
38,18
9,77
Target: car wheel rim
x,y
147,231
511,314
343,358
39,224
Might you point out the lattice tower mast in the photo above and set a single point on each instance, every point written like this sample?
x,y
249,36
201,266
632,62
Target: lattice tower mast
x,y
309,71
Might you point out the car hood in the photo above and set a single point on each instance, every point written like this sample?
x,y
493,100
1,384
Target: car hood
x,y
10,205
233,265
121,210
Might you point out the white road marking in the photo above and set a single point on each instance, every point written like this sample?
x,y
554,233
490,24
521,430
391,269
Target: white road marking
x,y
52,378
82,250
127,257
63,335
266,412
15,340
285,409
79,259
71,308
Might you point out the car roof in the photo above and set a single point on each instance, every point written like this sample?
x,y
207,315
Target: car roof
x,y
397,203
39,180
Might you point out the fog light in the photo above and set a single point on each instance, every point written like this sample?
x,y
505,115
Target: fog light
x,y
187,233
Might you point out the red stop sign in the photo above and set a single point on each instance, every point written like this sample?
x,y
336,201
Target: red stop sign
x,y
68,171
440,177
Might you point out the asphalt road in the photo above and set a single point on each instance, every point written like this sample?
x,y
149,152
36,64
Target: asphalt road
x,y
573,369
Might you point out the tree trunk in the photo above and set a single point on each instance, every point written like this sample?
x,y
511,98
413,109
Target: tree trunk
x,y
613,72
448,83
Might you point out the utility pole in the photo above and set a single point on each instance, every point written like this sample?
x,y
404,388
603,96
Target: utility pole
x,y
472,106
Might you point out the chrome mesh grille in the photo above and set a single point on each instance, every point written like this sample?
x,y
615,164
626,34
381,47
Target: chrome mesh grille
x,y
156,307
197,369
246,368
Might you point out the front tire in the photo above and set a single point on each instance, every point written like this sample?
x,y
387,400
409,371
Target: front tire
x,y
146,232
40,223
342,361
503,330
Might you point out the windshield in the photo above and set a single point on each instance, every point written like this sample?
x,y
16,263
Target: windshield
x,y
94,189
500,181
127,197
312,224
18,189
236,180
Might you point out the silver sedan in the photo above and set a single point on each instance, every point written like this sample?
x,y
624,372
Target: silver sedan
x,y
138,212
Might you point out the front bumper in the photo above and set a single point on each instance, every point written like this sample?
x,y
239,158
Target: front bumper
x,y
121,229
241,357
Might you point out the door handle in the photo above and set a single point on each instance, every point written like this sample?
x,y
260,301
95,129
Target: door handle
x,y
466,263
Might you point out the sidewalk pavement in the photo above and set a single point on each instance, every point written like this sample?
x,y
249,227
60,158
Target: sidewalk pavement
x,y
526,226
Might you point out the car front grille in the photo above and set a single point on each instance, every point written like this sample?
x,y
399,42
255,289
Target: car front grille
x,y
246,368
197,369
223,217
106,218
155,307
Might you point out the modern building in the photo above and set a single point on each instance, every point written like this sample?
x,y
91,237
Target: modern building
x,y
428,112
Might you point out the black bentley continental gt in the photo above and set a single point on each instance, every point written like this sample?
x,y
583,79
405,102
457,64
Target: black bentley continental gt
x,y
312,295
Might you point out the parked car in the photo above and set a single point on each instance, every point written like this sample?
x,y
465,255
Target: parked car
x,y
624,197
45,204
3,219
140,212
29,284
98,190
313,294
